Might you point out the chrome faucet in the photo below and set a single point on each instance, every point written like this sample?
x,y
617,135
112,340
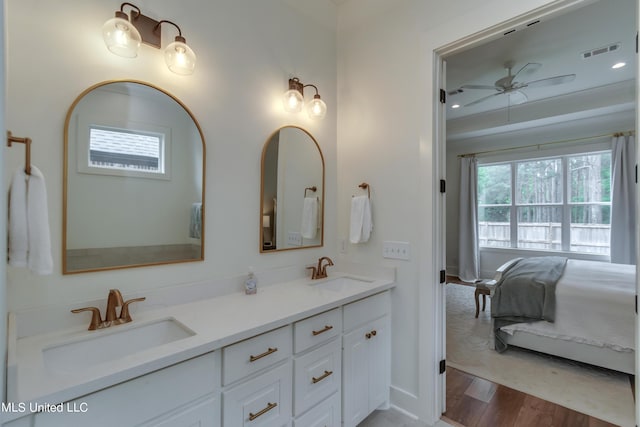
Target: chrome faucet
x,y
320,272
114,300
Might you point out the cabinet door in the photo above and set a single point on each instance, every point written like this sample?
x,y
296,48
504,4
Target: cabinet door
x,y
379,362
203,414
355,371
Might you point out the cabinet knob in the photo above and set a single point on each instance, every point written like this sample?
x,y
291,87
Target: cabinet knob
x,y
373,332
368,335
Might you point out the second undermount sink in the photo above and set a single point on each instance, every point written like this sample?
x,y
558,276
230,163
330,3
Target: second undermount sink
x,y
113,343
338,283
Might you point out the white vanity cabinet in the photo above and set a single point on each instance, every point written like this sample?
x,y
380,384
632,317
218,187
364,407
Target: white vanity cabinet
x,y
318,370
182,395
257,375
366,357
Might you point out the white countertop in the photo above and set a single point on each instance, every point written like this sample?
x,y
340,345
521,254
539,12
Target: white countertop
x,y
217,322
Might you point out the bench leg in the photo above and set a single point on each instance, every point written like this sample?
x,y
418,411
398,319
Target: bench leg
x,y
477,302
484,301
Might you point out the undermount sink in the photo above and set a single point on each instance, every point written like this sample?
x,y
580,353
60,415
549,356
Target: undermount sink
x,y
339,283
113,343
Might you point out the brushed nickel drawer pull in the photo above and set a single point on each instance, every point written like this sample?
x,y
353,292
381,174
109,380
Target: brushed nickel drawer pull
x,y
325,329
253,358
315,380
269,407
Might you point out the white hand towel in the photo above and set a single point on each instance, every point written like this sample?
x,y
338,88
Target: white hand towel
x,y
361,224
18,235
29,234
40,261
309,225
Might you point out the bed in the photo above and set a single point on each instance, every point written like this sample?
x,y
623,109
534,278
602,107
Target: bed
x,y
594,316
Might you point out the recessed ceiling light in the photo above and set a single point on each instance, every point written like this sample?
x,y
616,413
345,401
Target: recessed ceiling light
x,y
619,65
455,106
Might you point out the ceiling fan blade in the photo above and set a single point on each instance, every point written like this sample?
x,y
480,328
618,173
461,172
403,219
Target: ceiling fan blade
x,y
551,81
528,69
480,87
478,101
516,97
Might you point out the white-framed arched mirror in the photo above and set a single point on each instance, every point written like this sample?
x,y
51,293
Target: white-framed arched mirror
x,y
291,191
134,179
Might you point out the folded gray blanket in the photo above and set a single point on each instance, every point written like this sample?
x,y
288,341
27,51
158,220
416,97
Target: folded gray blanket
x,y
525,293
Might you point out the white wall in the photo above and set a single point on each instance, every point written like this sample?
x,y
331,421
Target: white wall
x,y
385,137
247,50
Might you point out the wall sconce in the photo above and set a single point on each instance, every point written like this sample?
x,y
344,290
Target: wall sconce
x,y
123,36
293,99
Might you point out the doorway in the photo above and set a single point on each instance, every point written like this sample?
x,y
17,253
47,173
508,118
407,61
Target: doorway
x,y
508,120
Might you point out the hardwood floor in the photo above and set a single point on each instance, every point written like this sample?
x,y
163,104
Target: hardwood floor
x,y
475,402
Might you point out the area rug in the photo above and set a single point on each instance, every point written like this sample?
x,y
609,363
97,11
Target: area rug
x,y
594,391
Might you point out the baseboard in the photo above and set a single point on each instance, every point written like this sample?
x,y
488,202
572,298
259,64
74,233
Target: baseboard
x,y
404,402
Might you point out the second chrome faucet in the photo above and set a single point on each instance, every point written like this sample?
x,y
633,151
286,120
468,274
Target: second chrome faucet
x,y
320,271
114,300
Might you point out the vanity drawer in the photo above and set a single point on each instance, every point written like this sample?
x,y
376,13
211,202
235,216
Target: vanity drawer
x,y
317,329
365,310
326,414
246,357
263,401
317,375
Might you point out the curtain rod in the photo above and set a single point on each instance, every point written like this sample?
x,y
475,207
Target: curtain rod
x,y
564,141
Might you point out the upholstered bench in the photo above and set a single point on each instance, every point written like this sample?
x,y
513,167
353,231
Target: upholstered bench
x,y
485,287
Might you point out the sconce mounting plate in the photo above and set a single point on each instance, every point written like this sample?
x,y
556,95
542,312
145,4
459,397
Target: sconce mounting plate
x,y
148,28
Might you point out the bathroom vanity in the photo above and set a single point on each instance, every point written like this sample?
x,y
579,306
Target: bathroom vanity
x,y
300,353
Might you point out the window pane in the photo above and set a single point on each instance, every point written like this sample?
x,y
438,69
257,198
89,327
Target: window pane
x,y
539,182
590,178
119,149
494,184
540,227
494,228
591,228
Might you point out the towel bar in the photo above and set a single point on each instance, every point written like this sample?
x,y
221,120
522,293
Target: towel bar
x,y
27,143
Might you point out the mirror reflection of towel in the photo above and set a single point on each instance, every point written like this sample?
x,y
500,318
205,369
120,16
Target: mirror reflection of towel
x,y
360,225
195,225
309,226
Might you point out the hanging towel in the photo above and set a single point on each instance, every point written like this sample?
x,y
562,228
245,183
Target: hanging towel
x,y
18,237
29,234
361,225
309,226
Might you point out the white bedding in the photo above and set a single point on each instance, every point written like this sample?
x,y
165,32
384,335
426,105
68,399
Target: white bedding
x,y
594,305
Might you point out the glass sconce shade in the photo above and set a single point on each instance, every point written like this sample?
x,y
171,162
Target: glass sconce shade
x,y
121,37
292,101
179,57
316,108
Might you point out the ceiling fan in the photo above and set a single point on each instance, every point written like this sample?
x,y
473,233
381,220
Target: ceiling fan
x,y
510,86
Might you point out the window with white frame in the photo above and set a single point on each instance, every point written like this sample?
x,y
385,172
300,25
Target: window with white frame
x,y
560,203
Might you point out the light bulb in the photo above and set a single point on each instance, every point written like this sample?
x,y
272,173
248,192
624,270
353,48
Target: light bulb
x,y
292,101
121,36
179,57
316,108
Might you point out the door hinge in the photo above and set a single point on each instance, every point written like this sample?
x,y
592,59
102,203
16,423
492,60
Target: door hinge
x,y
443,276
443,186
443,366
443,96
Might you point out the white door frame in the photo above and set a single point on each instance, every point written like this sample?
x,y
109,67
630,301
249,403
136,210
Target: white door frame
x,y
439,172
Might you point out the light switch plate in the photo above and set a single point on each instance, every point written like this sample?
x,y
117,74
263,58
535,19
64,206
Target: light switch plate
x,y
396,250
294,238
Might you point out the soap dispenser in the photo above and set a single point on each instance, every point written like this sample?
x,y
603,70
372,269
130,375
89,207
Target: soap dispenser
x,y
251,284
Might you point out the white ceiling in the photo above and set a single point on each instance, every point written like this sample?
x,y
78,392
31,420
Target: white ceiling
x,y
557,43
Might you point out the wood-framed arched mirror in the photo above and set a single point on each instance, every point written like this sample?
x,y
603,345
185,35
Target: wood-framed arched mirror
x,y
134,179
291,191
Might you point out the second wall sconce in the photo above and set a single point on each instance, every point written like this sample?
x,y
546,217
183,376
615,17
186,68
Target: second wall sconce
x,y
123,36
293,100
